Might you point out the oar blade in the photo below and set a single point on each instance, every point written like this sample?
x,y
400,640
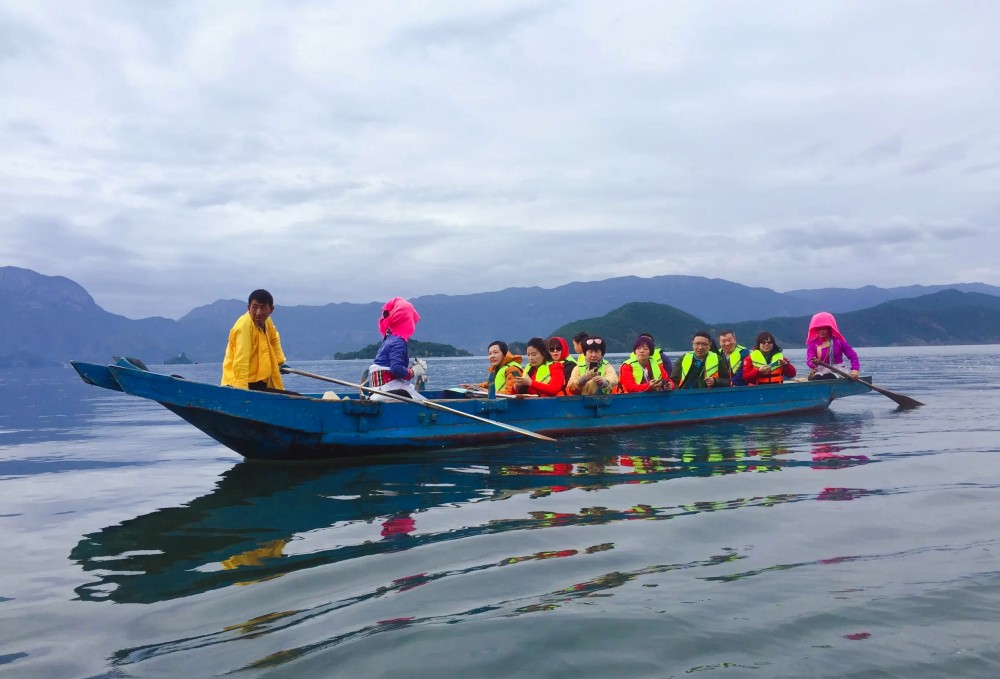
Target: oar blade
x,y
901,400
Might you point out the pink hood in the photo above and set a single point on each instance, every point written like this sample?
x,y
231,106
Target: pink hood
x,y
399,317
824,319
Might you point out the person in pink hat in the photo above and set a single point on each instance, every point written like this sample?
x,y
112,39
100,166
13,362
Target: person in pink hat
x,y
825,342
391,370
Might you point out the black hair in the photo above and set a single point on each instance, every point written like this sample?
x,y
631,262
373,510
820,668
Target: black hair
x,y
766,335
644,339
499,343
711,342
542,346
580,336
261,296
594,343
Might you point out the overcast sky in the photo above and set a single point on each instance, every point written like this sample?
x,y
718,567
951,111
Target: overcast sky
x,y
168,154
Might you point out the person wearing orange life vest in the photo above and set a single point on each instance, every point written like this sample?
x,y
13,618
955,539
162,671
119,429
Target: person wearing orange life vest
x,y
542,376
766,364
701,368
641,373
504,368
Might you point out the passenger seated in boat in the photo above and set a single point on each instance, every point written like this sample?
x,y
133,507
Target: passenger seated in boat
x,y
734,354
253,355
658,354
391,369
542,375
703,367
642,373
559,349
578,340
504,368
824,341
766,364
597,375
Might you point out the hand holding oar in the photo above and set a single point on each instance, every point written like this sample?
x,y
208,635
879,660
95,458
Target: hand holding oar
x,y
900,399
423,404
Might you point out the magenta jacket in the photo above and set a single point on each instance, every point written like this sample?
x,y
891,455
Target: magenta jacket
x,y
840,349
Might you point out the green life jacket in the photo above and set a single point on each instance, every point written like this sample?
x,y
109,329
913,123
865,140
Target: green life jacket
x,y
655,369
542,374
711,366
500,379
736,359
777,369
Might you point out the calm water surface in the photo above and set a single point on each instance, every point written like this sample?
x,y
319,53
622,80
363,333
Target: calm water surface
x,y
862,542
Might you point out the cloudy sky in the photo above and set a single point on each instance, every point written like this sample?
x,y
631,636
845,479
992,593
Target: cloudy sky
x,y
168,154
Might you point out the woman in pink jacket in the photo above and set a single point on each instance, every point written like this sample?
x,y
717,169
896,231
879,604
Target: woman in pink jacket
x,y
824,342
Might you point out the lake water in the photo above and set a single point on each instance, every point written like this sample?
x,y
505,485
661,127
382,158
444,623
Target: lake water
x,y
861,542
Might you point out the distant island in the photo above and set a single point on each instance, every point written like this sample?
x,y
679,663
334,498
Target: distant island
x,y
22,359
179,359
417,350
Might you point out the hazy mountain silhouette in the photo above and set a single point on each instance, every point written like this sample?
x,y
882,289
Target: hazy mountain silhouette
x,y
55,319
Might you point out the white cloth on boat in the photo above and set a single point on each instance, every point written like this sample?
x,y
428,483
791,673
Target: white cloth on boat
x,y
392,385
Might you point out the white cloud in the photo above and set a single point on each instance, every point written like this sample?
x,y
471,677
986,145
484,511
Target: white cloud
x,y
165,155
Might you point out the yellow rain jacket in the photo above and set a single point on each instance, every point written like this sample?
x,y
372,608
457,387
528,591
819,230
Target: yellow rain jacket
x,y
253,355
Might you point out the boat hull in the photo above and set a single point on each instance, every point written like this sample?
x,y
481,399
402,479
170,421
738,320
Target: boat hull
x,y
261,425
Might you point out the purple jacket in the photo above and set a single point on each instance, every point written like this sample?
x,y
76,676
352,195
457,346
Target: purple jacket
x,y
840,349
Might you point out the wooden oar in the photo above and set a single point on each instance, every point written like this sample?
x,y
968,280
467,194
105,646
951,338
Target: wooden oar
x,y
903,401
482,393
424,404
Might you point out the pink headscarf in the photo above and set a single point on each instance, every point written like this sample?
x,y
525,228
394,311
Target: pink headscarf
x,y
824,319
400,317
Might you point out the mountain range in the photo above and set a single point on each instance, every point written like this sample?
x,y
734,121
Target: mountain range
x,y
54,319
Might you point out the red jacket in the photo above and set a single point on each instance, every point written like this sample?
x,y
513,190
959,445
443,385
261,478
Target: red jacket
x,y
753,376
626,380
556,383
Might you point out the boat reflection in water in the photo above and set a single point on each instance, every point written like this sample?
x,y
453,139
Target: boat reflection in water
x,y
245,530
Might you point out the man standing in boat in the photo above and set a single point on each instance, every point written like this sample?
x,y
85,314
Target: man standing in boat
x,y
254,355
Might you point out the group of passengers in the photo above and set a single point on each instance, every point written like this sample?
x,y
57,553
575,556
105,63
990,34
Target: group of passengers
x,y
551,370
255,360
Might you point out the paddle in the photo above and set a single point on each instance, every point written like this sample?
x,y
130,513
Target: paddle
x,y
483,393
423,404
903,401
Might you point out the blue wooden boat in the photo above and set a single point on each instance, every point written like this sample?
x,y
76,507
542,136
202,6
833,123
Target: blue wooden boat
x,y
270,426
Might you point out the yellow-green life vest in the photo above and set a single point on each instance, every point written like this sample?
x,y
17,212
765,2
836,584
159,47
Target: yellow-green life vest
x,y
655,369
711,366
777,369
736,358
542,375
501,377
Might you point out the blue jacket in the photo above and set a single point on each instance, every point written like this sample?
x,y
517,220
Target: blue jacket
x,y
395,355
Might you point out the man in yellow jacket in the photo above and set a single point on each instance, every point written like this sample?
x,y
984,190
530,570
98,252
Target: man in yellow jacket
x,y
254,354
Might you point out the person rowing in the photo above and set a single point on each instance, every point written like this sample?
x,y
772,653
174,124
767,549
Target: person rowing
x,y
391,369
